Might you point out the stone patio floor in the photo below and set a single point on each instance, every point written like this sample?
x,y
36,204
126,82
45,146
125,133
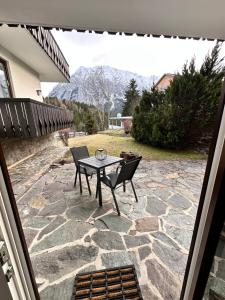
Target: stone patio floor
x,y
68,233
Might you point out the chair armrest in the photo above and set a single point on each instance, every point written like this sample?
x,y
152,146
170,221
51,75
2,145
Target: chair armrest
x,y
118,168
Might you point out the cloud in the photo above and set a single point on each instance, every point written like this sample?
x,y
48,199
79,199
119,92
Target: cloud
x,y
98,59
142,55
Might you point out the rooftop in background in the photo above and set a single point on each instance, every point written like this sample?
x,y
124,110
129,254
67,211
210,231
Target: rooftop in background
x,y
37,48
164,82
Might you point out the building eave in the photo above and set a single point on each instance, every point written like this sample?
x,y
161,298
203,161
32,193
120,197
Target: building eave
x,y
183,19
47,42
21,42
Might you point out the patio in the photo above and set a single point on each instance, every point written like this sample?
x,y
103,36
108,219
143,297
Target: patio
x,y
67,233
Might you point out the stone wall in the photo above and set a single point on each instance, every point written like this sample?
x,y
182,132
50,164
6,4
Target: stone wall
x,y
16,150
215,288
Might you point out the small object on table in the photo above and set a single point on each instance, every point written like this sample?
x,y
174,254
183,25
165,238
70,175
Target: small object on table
x,y
114,283
101,154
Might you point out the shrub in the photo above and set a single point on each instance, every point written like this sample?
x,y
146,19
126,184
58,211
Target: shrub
x,y
185,112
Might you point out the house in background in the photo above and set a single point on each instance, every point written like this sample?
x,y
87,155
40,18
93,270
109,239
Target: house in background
x,y
164,82
29,56
120,122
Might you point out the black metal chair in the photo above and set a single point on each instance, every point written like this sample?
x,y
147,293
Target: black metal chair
x,y
121,177
80,153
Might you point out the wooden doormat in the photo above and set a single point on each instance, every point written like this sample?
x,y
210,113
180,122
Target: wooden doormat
x,y
113,284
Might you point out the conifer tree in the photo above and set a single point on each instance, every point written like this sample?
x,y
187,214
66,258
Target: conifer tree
x,y
89,123
184,114
132,98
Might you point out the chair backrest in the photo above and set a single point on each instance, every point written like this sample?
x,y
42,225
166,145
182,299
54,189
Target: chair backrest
x,y
79,153
128,169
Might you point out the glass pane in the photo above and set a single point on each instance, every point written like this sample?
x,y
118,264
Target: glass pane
x,y
215,289
4,90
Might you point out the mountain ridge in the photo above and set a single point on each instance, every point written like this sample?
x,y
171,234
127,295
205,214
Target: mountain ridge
x,y
101,86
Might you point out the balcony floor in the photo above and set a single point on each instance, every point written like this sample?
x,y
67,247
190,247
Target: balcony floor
x,y
67,233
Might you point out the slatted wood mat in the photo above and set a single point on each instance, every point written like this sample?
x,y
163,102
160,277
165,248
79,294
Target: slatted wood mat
x,y
109,284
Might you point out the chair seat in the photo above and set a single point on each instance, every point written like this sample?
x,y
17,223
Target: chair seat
x,y
110,179
89,170
125,174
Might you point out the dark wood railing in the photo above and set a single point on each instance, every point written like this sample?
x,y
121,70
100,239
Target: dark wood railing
x,y
46,40
24,118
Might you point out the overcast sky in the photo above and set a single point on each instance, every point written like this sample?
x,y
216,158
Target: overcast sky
x,y
142,55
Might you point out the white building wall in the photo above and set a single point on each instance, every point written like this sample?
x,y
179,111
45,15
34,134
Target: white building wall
x,y
24,80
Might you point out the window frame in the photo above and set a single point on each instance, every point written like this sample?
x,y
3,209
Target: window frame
x,y
7,75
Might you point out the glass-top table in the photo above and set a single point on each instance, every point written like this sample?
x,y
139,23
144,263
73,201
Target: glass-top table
x,y
99,165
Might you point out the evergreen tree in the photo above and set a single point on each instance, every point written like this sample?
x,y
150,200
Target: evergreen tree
x,y
80,112
132,98
89,124
185,112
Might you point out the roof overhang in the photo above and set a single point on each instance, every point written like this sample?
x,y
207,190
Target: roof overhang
x,y
196,19
23,45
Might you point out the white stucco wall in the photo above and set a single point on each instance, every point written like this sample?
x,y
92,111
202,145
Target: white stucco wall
x,y
25,81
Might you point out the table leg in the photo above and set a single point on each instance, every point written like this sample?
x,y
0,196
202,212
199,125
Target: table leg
x,y
99,188
80,180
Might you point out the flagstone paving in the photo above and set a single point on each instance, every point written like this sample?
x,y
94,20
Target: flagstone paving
x,y
25,174
68,233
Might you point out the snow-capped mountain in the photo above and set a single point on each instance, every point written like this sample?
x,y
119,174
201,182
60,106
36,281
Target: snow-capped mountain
x,y
102,86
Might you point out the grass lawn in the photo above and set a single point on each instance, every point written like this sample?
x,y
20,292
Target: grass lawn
x,y
115,141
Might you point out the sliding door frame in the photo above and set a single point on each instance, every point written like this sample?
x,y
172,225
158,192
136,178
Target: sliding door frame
x,y
213,195
26,262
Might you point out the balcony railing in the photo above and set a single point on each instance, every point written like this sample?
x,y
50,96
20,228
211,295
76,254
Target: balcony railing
x,y
24,118
46,40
